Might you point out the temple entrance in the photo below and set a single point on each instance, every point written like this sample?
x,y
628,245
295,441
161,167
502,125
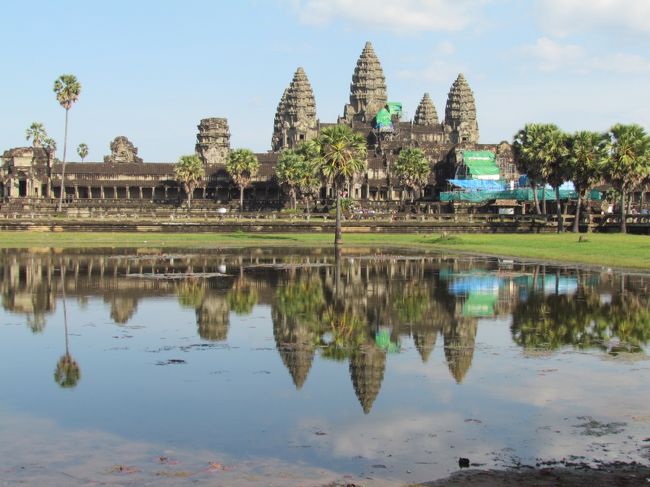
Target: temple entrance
x,y
22,188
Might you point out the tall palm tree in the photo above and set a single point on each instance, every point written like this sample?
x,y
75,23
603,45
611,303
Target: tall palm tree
x,y
242,165
412,169
37,133
67,90
525,147
67,373
342,155
629,161
82,150
587,157
189,172
553,152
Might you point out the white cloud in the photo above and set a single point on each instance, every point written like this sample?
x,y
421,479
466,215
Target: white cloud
x,y
403,16
549,55
563,17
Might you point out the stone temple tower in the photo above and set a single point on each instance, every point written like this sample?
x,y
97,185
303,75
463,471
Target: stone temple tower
x,y
295,119
460,113
213,141
368,88
426,114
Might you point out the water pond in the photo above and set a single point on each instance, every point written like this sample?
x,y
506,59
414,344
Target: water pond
x,y
292,367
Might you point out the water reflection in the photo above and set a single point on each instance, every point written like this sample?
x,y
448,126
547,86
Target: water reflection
x,y
355,308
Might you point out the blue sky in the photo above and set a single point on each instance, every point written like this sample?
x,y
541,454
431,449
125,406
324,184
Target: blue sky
x,y
151,70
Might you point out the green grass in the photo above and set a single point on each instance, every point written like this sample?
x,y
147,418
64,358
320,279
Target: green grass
x,y
610,250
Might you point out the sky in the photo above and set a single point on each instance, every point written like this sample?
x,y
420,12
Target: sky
x,y
151,70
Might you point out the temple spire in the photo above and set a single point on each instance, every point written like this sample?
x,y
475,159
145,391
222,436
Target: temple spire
x,y
426,114
368,88
460,113
295,118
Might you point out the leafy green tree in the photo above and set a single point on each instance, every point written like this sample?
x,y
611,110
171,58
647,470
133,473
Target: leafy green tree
x,y
587,158
67,90
82,150
629,161
290,172
37,133
412,169
341,156
189,172
526,147
242,165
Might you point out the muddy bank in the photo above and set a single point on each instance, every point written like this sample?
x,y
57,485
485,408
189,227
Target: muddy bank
x,y
618,474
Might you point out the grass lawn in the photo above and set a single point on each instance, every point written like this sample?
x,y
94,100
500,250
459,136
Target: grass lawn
x,y
612,250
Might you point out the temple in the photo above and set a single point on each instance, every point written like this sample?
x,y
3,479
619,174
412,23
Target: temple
x,y
33,172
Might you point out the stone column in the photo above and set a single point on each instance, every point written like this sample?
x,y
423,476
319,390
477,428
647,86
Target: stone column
x,y
153,193
141,196
115,192
76,192
128,192
102,194
90,192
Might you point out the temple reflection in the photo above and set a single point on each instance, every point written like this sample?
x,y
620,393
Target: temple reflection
x,y
358,309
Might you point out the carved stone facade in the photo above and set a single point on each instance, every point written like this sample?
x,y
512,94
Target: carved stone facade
x,y
29,172
368,88
295,119
213,141
122,151
426,113
460,113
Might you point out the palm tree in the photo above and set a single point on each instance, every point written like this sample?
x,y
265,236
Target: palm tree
x,y
67,90
342,155
525,147
67,372
629,161
242,165
553,152
189,172
37,133
290,172
587,157
412,169
82,150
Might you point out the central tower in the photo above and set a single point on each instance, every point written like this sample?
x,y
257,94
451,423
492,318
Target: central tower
x,y
368,88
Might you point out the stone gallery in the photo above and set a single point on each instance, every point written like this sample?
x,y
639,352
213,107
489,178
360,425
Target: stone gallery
x,y
33,171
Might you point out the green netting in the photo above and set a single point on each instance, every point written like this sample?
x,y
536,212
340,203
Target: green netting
x,y
522,194
383,118
394,107
480,163
479,305
382,340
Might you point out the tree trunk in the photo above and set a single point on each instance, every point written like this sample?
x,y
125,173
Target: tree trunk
x,y
544,198
535,198
241,199
560,220
576,220
189,200
337,231
65,149
623,222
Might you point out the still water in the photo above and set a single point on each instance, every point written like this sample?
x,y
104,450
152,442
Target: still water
x,y
272,367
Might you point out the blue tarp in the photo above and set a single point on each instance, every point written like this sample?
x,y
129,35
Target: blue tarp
x,y
567,186
478,184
